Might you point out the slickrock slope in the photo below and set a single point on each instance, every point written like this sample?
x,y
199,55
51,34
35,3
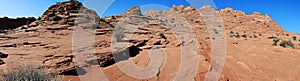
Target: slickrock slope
x,y
250,53
47,42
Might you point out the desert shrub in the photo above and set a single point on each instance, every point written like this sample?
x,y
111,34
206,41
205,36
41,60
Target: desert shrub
x,y
283,43
118,33
291,44
272,37
237,35
28,73
207,37
161,35
216,31
287,34
277,34
192,20
231,34
276,42
244,35
213,38
254,35
294,38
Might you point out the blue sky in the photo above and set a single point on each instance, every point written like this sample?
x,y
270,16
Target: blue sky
x,y
284,12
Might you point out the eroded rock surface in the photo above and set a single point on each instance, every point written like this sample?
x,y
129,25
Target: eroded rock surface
x,y
48,42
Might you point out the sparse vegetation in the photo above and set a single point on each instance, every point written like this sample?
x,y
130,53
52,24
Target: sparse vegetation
x,y
231,34
283,43
272,37
254,35
277,34
244,36
237,35
28,73
207,37
213,38
294,38
161,35
216,31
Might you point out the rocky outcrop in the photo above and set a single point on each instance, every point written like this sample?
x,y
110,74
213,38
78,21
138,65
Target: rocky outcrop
x,y
52,47
9,23
256,22
134,11
70,12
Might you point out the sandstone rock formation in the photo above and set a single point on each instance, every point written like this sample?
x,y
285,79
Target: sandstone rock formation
x,y
250,55
67,13
134,11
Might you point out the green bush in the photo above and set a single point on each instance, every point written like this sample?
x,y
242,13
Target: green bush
x,y
231,34
291,44
237,35
283,43
161,35
28,73
254,35
244,35
216,31
272,37
294,38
